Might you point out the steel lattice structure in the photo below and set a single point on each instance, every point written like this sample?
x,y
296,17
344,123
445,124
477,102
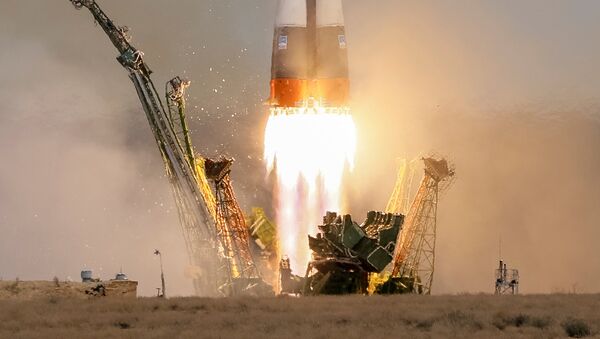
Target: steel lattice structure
x,y
210,249
231,229
400,199
415,257
507,280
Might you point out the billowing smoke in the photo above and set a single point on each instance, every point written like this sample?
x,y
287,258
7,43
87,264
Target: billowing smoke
x,y
510,94
81,181
507,91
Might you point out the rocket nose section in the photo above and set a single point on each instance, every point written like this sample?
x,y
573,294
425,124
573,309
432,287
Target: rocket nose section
x,y
330,13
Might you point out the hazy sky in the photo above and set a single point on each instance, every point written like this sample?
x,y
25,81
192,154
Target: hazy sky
x,y
507,90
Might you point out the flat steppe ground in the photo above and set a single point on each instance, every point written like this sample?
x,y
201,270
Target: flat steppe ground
x,y
401,316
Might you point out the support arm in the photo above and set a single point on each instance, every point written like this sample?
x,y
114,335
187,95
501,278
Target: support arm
x,y
130,57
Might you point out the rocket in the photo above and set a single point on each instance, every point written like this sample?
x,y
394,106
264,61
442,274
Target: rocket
x,y
310,59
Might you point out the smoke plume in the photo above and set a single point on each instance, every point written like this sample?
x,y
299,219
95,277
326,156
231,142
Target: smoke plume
x,y
508,91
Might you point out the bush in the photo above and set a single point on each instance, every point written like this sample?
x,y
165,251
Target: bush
x,y
461,319
541,323
502,320
576,328
14,287
315,317
520,320
122,325
425,324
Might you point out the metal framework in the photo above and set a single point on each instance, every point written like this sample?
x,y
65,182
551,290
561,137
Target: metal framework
x,y
507,280
239,267
169,129
415,257
400,199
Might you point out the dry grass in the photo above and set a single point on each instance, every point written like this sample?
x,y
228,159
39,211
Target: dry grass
x,y
34,290
26,290
551,316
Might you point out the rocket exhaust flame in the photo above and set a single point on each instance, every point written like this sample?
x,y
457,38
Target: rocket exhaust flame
x,y
309,148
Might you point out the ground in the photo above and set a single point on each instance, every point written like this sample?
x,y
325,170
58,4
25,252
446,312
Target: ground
x,y
27,290
479,316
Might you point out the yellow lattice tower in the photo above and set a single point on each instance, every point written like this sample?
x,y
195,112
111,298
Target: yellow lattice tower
x,y
415,255
400,198
231,225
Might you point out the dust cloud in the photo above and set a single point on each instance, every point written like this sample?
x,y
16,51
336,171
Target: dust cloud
x,y
81,181
506,90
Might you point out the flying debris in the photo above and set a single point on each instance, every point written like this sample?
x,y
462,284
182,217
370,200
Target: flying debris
x,y
213,226
310,140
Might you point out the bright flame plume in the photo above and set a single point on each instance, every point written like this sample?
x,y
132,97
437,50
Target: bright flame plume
x,y
309,148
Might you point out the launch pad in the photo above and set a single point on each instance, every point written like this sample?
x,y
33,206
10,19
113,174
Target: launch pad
x,y
345,254
387,253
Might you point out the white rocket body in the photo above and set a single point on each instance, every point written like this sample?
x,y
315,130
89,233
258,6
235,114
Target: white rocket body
x,y
310,60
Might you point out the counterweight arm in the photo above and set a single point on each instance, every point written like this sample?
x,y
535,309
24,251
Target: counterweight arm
x,y
130,57
215,233
196,219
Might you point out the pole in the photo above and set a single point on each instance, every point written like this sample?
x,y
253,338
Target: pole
x,y
162,274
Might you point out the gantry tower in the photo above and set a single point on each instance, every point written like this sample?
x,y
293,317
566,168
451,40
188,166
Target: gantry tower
x,y
414,260
232,230
202,213
400,199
